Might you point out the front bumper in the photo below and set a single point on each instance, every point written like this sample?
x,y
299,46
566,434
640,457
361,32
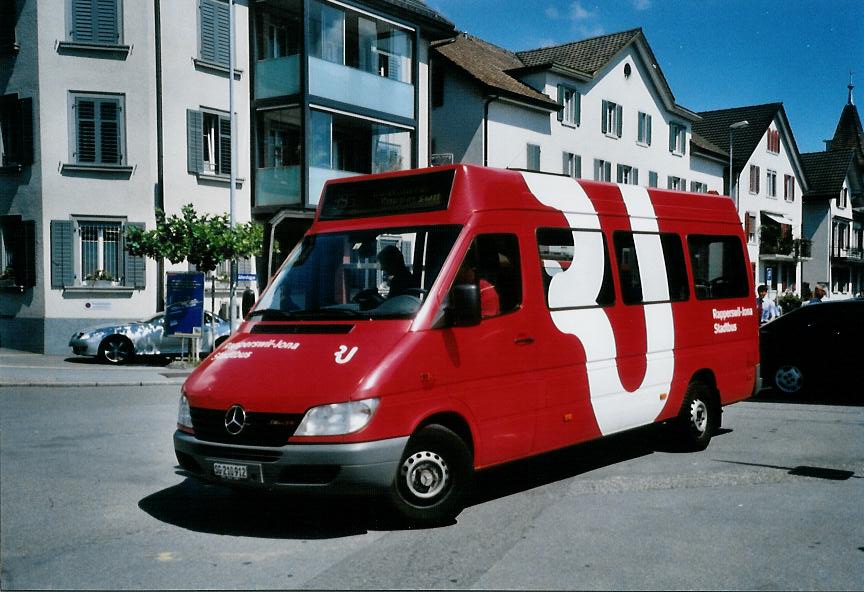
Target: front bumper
x,y
356,468
83,347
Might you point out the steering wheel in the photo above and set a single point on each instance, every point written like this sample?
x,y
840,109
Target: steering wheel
x,y
368,298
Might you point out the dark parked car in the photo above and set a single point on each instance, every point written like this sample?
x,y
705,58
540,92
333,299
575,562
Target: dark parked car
x,y
813,346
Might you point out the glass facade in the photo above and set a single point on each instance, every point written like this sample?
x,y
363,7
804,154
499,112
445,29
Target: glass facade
x,y
278,45
280,157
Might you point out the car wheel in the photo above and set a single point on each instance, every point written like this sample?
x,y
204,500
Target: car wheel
x,y
433,477
699,418
789,379
116,349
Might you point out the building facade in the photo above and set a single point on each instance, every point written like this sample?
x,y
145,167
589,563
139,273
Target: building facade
x,y
768,183
834,208
109,110
340,88
598,109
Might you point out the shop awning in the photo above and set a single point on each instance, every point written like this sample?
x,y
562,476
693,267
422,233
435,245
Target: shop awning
x,y
779,218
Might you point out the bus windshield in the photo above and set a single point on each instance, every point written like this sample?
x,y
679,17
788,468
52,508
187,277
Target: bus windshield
x,y
378,273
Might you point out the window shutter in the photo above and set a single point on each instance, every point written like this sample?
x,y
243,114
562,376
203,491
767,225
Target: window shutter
x,y
635,176
619,120
82,21
25,131
561,102
683,131
578,98
578,166
648,129
27,254
135,267
62,272
85,121
223,34
105,29
603,123
565,168
207,33
194,141
620,173
109,132
225,145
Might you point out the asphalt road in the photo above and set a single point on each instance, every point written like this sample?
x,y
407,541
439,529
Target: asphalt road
x,y
90,498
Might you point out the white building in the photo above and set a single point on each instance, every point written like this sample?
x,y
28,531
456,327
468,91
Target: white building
x,y
598,109
768,184
99,117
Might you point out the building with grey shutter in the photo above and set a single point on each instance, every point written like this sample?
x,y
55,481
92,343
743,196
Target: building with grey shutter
x,y
109,109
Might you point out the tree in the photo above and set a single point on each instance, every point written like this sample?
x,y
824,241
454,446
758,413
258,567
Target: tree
x,y
204,241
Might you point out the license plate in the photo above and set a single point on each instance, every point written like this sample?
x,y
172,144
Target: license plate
x,y
231,472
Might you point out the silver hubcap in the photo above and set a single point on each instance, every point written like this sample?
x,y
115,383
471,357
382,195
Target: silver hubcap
x,y
789,379
699,416
115,351
425,474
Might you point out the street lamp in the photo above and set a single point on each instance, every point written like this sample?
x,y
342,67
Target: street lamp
x,y
732,128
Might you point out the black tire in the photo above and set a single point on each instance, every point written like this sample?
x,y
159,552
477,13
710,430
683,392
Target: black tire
x,y
116,350
433,478
699,418
788,379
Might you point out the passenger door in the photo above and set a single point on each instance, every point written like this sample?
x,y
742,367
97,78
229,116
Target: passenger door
x,y
488,369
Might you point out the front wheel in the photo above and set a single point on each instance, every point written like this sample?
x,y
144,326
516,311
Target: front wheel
x,y
116,350
433,477
789,379
699,418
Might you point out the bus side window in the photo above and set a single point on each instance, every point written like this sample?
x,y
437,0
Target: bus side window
x,y
718,267
558,253
495,258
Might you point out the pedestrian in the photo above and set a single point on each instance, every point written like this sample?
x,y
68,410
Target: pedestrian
x,y
766,309
818,294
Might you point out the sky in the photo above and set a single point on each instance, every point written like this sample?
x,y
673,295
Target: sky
x,y
715,54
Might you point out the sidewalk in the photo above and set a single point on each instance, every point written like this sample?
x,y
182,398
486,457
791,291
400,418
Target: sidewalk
x,y
19,368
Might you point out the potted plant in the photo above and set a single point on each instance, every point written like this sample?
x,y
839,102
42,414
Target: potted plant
x,y
100,278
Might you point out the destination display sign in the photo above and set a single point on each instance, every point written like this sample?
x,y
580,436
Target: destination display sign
x,y
388,197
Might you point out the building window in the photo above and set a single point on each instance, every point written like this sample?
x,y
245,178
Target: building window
x,y
533,157
213,32
360,41
344,143
843,199
653,179
750,227
788,187
279,138
754,179
278,32
773,138
95,21
677,138
698,187
612,118
602,170
98,129
571,101
88,249
628,174
676,183
643,135
17,252
572,165
771,183
8,44
208,142
16,131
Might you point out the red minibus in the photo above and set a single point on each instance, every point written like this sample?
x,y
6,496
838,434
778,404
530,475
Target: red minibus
x,y
436,322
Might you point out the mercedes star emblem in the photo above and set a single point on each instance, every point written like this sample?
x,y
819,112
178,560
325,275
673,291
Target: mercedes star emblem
x,y
235,420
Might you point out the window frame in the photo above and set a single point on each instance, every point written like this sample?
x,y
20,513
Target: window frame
x,y
119,99
743,287
602,170
533,156
644,125
664,237
572,165
570,100
677,138
608,284
611,123
770,184
73,36
789,188
755,172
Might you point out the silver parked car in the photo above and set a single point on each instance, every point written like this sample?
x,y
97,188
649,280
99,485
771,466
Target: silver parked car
x,y
117,344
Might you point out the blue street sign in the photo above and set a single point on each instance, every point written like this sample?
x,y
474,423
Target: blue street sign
x,y
184,307
246,277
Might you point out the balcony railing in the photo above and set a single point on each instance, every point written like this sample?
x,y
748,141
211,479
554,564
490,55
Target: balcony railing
x,y
848,254
802,248
773,242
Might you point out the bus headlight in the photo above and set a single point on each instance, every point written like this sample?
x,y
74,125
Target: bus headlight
x,y
337,419
184,416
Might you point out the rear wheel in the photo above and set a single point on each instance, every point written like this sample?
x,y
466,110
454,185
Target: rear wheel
x,y
789,379
116,350
699,417
433,477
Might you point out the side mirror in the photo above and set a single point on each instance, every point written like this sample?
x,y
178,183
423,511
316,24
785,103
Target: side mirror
x,y
463,306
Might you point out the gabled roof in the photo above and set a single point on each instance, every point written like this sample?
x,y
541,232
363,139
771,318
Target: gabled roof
x,y
714,127
704,147
587,56
826,171
488,64
436,25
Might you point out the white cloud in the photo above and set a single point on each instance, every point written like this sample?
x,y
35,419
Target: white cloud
x,y
641,4
580,13
553,13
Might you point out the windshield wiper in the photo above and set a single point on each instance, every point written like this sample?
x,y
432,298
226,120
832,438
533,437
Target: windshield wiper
x,y
272,314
